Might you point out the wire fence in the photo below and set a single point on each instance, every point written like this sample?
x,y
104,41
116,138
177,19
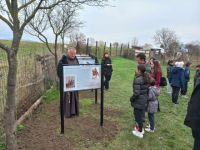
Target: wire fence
x,y
35,74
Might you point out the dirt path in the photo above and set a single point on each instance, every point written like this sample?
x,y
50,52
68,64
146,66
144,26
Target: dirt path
x,y
42,129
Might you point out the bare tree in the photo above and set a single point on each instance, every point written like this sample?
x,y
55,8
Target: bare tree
x,y
135,41
78,40
166,38
13,14
193,48
59,21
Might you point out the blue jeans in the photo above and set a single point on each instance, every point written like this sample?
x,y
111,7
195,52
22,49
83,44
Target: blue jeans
x,y
151,120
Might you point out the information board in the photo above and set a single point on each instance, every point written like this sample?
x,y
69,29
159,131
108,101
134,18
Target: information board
x,y
81,77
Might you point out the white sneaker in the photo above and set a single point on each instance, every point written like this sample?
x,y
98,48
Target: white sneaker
x,y
137,133
149,130
135,128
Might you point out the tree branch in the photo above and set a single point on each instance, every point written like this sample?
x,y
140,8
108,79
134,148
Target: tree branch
x,y
6,21
25,5
31,16
53,5
4,47
8,5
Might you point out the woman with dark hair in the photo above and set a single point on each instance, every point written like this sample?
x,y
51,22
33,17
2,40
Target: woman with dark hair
x,y
156,72
107,69
139,98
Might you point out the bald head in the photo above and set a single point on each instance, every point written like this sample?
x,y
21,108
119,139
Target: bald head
x,y
71,53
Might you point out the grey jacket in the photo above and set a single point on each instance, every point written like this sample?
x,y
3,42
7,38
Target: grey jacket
x,y
140,92
152,106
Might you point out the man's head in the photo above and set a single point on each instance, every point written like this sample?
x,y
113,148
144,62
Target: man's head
x,y
106,55
71,53
141,58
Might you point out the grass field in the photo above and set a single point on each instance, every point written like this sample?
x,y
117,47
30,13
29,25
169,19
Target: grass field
x,y
170,132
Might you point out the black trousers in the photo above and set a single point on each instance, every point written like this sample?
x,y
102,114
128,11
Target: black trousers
x,y
184,91
196,135
139,117
106,81
175,93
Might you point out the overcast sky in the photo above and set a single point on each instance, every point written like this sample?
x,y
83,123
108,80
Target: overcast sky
x,y
137,18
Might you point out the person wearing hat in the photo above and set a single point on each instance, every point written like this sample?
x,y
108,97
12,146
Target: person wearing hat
x,y
177,81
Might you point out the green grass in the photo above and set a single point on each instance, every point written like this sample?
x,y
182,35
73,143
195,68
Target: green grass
x,y
50,95
170,132
26,49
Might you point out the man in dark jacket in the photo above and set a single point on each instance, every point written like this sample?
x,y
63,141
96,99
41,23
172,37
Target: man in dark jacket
x,y
177,82
71,99
192,119
107,69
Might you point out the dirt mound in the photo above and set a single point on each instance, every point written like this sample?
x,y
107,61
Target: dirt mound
x,y
42,130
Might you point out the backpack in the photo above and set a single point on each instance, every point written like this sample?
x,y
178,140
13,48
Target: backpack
x,y
163,81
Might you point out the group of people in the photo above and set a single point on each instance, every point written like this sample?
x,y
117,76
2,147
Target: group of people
x,y
146,89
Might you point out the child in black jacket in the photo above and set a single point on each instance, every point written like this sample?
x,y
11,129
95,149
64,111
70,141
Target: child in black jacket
x,y
139,99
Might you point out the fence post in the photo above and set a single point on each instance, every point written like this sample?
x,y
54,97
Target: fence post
x,y
121,49
96,48
116,48
104,49
128,50
110,48
87,49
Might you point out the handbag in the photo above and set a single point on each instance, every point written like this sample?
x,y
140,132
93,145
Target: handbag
x,y
163,81
132,99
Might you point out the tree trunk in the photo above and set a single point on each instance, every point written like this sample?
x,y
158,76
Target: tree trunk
x,y
10,108
63,44
9,113
56,51
56,58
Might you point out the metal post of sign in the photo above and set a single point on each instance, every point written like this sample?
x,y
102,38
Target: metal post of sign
x,y
96,48
96,95
102,96
61,102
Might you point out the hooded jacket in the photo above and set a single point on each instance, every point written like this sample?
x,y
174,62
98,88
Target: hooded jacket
x,y
63,61
154,92
107,70
192,118
140,92
178,77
